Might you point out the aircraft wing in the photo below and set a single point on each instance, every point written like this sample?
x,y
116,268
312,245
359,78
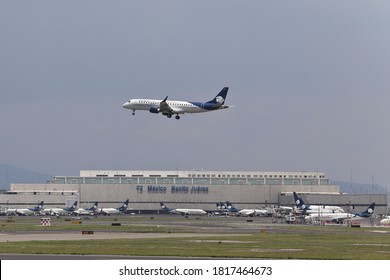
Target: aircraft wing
x,y
165,108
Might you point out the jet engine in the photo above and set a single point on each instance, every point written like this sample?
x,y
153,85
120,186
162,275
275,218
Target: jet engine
x,y
154,110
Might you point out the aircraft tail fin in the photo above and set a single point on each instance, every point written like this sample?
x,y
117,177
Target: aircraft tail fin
x,y
124,206
93,208
299,202
221,97
231,207
368,212
164,208
74,205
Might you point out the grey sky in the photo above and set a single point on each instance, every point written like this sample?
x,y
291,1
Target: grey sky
x,y
309,79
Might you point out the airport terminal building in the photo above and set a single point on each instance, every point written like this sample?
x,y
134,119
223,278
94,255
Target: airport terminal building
x,y
195,188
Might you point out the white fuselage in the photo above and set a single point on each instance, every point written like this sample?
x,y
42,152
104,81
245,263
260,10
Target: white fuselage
x,y
330,216
82,211
255,212
191,211
55,211
180,107
22,212
317,209
108,211
385,221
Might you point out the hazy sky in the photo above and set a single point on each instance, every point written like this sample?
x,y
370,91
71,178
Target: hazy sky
x,y
309,79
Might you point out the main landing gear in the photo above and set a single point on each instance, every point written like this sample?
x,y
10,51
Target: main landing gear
x,y
177,117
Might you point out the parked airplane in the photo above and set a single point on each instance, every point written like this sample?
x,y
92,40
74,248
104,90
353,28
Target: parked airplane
x,y
339,217
60,211
109,211
221,207
246,212
231,208
26,211
170,108
308,209
385,221
184,212
166,210
253,212
88,211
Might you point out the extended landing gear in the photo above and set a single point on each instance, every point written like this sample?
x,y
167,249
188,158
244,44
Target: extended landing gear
x,y
176,117
133,112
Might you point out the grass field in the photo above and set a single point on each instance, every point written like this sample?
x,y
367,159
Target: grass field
x,y
275,242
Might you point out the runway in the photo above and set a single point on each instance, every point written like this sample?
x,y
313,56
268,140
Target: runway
x,y
48,236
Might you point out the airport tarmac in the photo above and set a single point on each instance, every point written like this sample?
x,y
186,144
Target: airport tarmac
x,y
127,227
47,236
168,226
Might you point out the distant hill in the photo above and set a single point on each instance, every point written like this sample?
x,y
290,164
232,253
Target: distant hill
x,y
10,174
358,188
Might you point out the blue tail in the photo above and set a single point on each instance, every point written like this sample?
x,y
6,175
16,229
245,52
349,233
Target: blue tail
x,y
299,202
124,206
73,207
221,97
93,208
38,207
368,212
164,208
221,206
230,207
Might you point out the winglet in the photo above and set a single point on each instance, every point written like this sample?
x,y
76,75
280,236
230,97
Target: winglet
x,y
165,99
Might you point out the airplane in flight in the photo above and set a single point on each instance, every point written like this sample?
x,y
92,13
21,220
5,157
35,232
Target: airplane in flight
x,y
184,212
308,209
88,211
26,211
60,211
110,211
339,217
170,107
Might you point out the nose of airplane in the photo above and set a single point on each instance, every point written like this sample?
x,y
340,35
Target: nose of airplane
x,y
126,104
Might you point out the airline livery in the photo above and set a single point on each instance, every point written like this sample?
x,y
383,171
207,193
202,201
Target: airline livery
x,y
184,212
170,107
339,217
308,209
60,211
26,211
88,211
117,211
